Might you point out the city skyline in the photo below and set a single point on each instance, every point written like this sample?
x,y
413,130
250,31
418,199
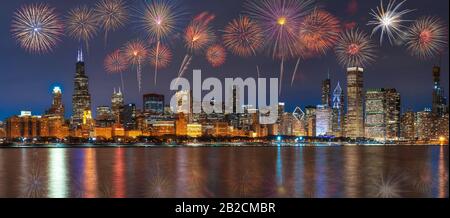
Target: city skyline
x,y
57,68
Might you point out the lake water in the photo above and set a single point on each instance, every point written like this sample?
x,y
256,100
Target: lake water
x,y
311,172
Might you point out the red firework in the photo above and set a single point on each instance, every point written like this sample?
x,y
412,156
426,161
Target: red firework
x,y
216,55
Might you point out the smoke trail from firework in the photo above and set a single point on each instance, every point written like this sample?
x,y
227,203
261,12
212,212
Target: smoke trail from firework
x,y
216,55
116,62
135,52
160,19
243,37
355,49
427,37
389,20
160,56
111,14
37,28
280,21
318,33
81,24
198,36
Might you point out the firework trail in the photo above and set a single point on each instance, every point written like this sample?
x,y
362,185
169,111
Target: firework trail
x,y
280,21
318,33
389,20
37,28
426,38
160,56
355,49
135,52
216,55
160,19
243,37
111,15
116,62
198,36
81,24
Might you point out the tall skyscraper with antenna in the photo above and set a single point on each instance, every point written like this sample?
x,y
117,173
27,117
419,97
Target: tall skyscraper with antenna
x,y
439,104
81,99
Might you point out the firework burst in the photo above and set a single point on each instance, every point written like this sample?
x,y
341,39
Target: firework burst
x,y
243,37
216,55
198,36
280,21
160,19
355,49
318,33
37,28
111,14
81,24
427,37
135,52
160,57
116,62
389,20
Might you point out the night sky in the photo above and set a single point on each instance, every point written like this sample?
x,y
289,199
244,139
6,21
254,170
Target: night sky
x,y
26,80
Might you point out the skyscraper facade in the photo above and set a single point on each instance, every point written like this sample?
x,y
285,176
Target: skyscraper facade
x,y
375,116
355,115
407,131
81,99
117,103
57,108
439,104
323,120
153,104
392,114
338,111
424,125
326,92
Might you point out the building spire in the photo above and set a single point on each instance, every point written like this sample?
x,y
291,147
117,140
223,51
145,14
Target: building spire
x,y
80,55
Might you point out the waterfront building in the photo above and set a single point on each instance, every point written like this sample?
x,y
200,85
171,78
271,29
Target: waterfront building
x,y
323,120
181,124
104,117
153,103
408,126
338,111
117,102
103,133
310,118
129,117
392,114
2,130
441,130
424,125
194,130
163,127
57,108
221,129
29,126
354,126
439,103
375,119
81,99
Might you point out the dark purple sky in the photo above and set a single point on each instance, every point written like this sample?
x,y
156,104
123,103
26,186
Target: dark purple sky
x,y
26,80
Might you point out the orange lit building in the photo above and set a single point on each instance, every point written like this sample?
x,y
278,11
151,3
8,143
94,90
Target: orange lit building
x,y
161,128
194,130
181,125
103,132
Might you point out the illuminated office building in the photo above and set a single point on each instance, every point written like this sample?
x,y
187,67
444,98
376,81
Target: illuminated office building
x,y
128,117
392,114
153,103
57,108
354,126
81,99
117,103
326,92
407,131
424,125
310,118
338,111
375,119
104,117
439,103
323,120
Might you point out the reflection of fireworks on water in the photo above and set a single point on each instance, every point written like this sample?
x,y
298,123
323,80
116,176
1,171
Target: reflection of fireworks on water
x,y
390,186
245,185
427,37
158,185
34,182
37,28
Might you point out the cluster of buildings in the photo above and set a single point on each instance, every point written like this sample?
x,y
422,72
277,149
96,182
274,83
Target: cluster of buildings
x,y
366,114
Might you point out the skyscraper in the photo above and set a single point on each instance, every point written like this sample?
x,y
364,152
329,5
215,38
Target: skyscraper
x,y
81,99
128,117
117,103
323,120
393,104
407,126
375,116
439,104
310,116
424,125
338,111
355,115
57,108
326,92
153,103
